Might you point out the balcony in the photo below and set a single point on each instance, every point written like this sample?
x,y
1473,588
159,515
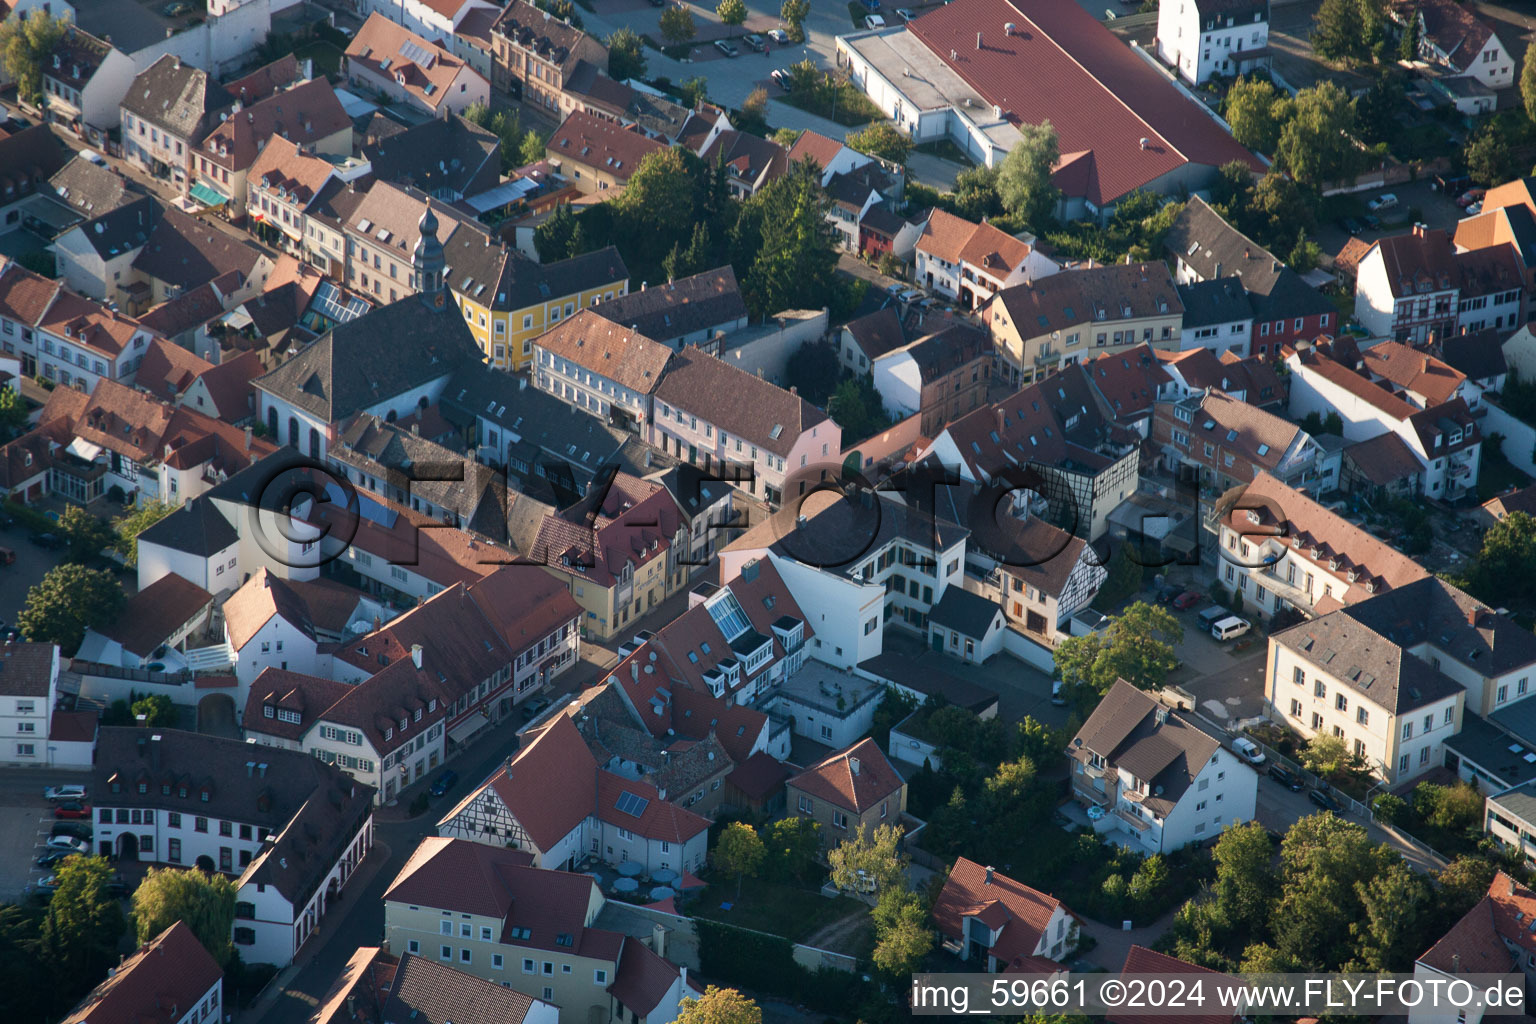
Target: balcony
x,y
1137,823
1288,591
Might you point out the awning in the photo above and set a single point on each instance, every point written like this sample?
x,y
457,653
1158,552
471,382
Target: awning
x,y
84,449
465,729
207,196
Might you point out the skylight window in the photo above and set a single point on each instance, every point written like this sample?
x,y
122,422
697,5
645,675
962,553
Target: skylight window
x,y
631,804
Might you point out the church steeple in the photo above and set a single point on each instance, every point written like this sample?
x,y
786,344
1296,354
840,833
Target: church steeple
x,y
427,262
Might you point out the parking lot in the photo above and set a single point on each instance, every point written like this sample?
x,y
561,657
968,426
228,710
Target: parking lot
x,y
31,565
25,822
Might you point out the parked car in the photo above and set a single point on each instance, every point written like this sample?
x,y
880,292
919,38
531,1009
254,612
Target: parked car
x,y
874,21
77,829
755,41
72,809
1188,600
1056,697
1248,750
53,857
1450,184
534,708
904,14
1165,592
1385,201
445,782
71,792
1230,628
70,843
92,157
48,541
780,78
1372,222
1470,196
176,8
1209,617
1351,225
725,47
1475,209
779,36
1326,800
1287,778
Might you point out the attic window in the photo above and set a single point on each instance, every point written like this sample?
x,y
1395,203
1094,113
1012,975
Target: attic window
x,y
1231,435
1263,449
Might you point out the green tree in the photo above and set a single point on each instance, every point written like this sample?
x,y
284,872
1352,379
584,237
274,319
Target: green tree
x,y
626,54
67,600
739,851
13,411
1338,31
792,846
732,12
693,91
1377,108
21,972
1252,109
79,935
786,137
1398,904
1389,809
754,109
204,901
882,139
1461,884
1454,808
1137,646
857,408
1024,179
25,43
478,114
1278,208
156,708
1325,755
128,528
553,238
805,76
812,371
1408,39
796,245
719,1006
1322,858
1490,160
869,855
902,935
1505,568
1245,883
793,13
677,24
660,192
1304,255
1528,82
85,536
1316,143
531,149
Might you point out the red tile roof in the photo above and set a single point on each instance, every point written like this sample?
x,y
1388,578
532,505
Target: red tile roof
x,y
159,984
168,369
151,616
306,113
1413,370
661,819
307,696
260,598
623,356
547,786
1061,65
854,779
1020,912
380,47
815,146
74,727
1140,960
643,978
1480,941
465,877
229,386
602,144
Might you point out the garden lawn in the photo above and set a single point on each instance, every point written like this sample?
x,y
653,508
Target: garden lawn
x,y
327,57
786,910
840,101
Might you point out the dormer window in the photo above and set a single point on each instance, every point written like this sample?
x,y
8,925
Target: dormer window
x,y
268,711
417,716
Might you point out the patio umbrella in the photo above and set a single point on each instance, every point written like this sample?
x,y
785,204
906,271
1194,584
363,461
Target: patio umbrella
x,y
666,876
661,892
631,868
626,885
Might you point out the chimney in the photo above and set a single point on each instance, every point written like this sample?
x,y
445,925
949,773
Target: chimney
x,y
1002,420
416,655
659,940
1472,616
248,438
978,40
988,879
1510,881
154,751
352,1006
794,389
377,623
853,763
1455,963
1218,270
682,974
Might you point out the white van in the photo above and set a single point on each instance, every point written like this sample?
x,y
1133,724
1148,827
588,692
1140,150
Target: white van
x,y
1230,627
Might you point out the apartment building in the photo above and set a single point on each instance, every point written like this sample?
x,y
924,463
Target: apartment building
x,y
1338,675
1221,441
383,231
82,343
597,154
29,687
603,368
1464,46
1163,781
1416,287
1218,315
968,262
508,300
1069,317
526,929
941,376
168,110
1201,38
84,81
535,54
718,416
1282,550
292,829
695,310
989,919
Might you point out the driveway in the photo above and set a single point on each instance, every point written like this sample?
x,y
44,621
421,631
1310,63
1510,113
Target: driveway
x,y
1234,692
32,564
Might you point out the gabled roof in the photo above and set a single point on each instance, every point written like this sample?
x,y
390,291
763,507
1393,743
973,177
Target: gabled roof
x,y
428,992
91,188
1413,370
306,696
534,30
345,371
445,153
643,979
737,402
1129,381
1203,239
548,784
28,159
703,300
258,600
1019,913
853,779
969,614
1221,300
499,277
295,175
1093,295
25,296
464,877
1368,662
1141,960
1160,747
1384,459
159,984
265,80
178,97
815,146
746,156
421,66
150,617
1479,355
27,669
124,229
1061,65
307,113
184,251
1453,30
1419,261
1432,611
626,357
877,333
593,141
